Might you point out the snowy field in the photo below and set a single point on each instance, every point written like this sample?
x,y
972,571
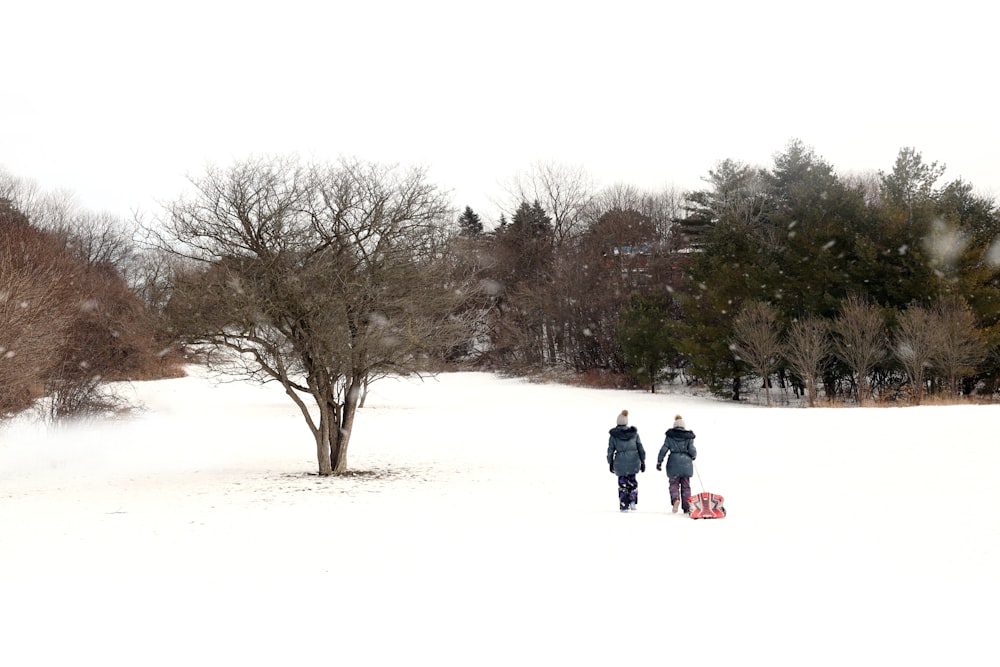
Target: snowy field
x,y
487,533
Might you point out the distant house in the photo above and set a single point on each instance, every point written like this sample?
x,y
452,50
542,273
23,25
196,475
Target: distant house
x,y
631,250
629,258
639,262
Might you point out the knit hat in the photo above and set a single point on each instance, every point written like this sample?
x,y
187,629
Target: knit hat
x,y
679,422
623,418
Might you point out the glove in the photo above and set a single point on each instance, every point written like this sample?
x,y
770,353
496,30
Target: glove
x,y
642,467
611,467
659,467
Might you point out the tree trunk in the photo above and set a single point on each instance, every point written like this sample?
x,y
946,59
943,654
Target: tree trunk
x,y
550,340
863,391
323,440
342,437
364,394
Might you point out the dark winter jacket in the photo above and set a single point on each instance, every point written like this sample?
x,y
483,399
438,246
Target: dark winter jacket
x,y
625,450
680,444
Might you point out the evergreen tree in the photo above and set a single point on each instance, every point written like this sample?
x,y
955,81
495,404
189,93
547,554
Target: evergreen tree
x,y
820,244
898,228
729,270
469,223
738,194
524,254
647,336
910,185
528,241
973,275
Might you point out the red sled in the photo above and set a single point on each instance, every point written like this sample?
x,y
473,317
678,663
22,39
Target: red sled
x,y
707,505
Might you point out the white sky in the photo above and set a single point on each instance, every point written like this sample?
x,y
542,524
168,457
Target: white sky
x,y
119,101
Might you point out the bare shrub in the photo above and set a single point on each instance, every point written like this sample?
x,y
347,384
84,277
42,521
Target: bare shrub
x,y
807,352
36,289
597,379
859,341
915,341
110,337
757,340
67,324
961,346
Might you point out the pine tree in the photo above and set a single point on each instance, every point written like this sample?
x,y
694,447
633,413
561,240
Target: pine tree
x,y
647,337
528,241
469,223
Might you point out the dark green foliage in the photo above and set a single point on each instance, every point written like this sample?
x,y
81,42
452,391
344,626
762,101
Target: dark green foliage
x,y
527,241
971,266
469,223
910,186
647,335
803,240
738,194
731,269
704,346
523,333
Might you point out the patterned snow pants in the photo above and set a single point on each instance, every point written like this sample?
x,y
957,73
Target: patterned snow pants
x,y
628,491
680,487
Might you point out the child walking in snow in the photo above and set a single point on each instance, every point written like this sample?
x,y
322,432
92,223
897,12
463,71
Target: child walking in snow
x,y
626,457
679,443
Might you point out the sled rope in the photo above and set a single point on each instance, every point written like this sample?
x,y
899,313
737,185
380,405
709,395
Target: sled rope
x,y
699,476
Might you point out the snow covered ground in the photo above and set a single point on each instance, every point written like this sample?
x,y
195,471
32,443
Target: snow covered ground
x,y
486,532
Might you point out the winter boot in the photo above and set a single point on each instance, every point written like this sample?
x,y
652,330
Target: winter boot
x,y
677,503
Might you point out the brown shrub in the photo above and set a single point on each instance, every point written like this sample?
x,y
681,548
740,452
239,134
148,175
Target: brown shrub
x,y
36,287
598,379
68,326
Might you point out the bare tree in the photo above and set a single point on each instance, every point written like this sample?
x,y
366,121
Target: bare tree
x,y
44,209
565,192
664,207
867,183
20,194
916,339
961,346
319,277
98,239
757,340
661,207
859,341
807,351
622,196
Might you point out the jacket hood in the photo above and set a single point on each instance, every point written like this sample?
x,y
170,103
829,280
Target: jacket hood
x,y
623,431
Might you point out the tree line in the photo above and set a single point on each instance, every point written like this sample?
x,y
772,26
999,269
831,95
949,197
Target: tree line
x,y
901,272
858,287
324,277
